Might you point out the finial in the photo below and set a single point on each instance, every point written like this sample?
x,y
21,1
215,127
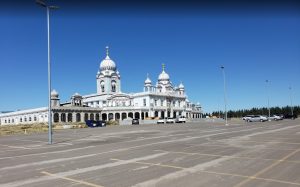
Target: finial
x,y
148,75
107,50
163,67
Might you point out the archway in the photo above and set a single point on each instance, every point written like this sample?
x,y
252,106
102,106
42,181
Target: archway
x,y
137,115
162,114
124,116
143,115
130,114
78,117
156,114
97,117
117,116
146,115
174,115
69,117
86,116
110,116
63,117
104,116
56,117
91,116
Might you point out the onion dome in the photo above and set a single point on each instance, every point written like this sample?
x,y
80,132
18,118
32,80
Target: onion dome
x,y
54,94
181,86
148,81
163,76
107,63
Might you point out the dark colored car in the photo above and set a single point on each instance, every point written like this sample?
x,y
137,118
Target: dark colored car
x,y
93,123
290,116
135,121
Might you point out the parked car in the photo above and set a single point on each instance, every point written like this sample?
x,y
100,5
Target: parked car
x,y
94,123
180,119
257,118
160,120
135,121
275,117
289,116
170,120
247,117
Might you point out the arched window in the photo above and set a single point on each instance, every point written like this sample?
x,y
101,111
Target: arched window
x,y
102,86
113,86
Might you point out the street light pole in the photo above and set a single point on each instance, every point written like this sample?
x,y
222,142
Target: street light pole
x,y
225,99
267,85
43,4
291,101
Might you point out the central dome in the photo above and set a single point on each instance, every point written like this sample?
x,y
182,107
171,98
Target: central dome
x,y
107,63
163,76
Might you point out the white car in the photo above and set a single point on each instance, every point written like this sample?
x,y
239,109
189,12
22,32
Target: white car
x,y
170,120
180,119
275,117
160,120
257,118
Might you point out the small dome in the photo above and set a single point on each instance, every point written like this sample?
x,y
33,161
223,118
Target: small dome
x,y
163,76
148,81
76,94
181,86
107,63
54,93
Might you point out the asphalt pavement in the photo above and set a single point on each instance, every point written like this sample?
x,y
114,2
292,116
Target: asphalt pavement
x,y
194,154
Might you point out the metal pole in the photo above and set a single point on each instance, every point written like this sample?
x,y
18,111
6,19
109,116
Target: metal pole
x,y
267,81
49,82
225,99
291,101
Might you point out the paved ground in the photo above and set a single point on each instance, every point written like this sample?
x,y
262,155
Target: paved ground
x,y
195,154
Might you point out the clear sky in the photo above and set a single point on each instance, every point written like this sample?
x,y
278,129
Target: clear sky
x,y
253,46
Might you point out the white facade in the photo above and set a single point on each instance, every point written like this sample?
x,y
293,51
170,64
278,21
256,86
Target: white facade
x,y
109,103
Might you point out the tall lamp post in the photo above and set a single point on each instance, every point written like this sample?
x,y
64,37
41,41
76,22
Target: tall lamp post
x,y
267,85
225,99
48,8
290,88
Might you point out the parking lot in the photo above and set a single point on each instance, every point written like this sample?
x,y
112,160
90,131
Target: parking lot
x,y
191,154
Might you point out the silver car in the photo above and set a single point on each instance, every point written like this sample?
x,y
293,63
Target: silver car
x,y
257,118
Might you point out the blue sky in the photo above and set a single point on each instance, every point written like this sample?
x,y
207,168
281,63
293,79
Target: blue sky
x,y
253,47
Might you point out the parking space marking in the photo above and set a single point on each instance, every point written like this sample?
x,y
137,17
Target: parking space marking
x,y
266,169
151,164
217,173
70,179
292,143
46,153
229,156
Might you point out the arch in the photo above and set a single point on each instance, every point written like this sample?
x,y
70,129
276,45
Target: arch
x,y
124,115
146,115
104,116
78,117
143,115
63,117
102,86
110,116
137,115
117,116
113,86
91,116
162,114
174,115
130,115
69,117
97,117
56,117
86,116
156,114
168,114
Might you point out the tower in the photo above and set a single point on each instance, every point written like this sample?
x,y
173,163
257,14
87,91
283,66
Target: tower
x,y
108,77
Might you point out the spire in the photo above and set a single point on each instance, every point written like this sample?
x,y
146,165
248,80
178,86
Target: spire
x,y
163,67
147,75
107,51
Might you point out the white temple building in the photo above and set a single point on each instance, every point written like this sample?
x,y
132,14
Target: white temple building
x,y
159,100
